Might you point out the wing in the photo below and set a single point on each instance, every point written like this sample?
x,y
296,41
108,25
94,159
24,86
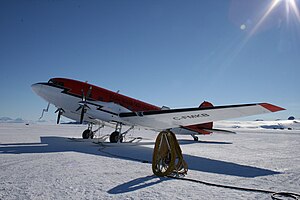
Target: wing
x,y
165,119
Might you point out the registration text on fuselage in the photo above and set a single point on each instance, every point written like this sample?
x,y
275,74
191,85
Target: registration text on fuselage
x,y
191,116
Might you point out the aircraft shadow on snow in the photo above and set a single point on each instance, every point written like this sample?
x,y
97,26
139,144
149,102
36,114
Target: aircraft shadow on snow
x,y
138,153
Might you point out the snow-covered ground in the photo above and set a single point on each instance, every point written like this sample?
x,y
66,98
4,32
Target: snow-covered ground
x,y
40,162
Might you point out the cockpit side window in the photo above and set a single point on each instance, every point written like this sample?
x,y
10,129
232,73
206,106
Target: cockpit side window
x,y
55,82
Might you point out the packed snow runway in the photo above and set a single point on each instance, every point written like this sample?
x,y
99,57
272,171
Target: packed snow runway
x,y
42,162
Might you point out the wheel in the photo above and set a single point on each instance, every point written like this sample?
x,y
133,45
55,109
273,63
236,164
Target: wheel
x,y
114,137
86,134
196,139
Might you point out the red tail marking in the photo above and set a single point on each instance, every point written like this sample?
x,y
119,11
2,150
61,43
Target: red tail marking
x,y
206,104
199,127
271,107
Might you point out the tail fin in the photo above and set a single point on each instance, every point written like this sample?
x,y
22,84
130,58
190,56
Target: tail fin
x,y
202,128
206,104
209,125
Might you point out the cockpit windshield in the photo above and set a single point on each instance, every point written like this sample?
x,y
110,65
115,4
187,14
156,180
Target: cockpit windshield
x,y
55,82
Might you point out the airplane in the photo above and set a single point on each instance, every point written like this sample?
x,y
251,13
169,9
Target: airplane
x,y
87,103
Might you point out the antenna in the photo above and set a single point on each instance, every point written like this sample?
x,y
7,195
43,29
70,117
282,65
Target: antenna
x,y
44,110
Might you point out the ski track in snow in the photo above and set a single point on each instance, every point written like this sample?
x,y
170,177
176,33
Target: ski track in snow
x,y
40,162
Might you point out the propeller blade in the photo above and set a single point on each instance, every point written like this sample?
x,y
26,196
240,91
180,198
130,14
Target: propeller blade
x,y
59,112
88,94
79,108
58,117
82,114
83,104
82,95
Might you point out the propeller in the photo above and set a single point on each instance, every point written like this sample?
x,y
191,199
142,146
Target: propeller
x,y
83,104
59,112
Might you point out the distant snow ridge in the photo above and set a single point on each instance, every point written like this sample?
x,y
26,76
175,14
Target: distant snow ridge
x,y
259,124
5,119
10,120
284,124
39,121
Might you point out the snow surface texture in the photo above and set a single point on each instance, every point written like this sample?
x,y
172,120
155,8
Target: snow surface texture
x,y
280,124
40,162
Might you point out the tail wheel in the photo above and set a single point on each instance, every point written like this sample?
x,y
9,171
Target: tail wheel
x,y
163,161
115,137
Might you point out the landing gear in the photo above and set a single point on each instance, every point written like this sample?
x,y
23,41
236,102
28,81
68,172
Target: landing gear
x,y
89,133
196,139
117,135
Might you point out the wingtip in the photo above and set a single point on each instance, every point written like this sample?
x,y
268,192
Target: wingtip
x,y
271,108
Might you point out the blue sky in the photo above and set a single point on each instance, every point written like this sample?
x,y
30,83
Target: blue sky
x,y
173,53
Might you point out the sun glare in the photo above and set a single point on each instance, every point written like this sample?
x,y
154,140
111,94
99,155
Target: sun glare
x,y
274,14
291,10
272,5
293,5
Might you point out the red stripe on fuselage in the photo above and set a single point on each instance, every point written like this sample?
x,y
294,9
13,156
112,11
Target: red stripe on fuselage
x,y
100,94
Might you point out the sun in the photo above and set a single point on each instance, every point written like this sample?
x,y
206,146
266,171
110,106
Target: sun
x,y
292,5
291,11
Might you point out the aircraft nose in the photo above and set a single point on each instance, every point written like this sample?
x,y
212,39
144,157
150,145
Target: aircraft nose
x,y
36,87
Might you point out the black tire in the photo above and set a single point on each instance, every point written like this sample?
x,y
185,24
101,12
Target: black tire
x,y
86,134
196,139
114,137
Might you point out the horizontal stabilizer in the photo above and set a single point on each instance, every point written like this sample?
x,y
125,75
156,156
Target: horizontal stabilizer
x,y
220,131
